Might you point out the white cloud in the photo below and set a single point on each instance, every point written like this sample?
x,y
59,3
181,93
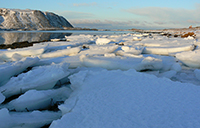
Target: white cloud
x,y
75,15
168,16
85,4
109,24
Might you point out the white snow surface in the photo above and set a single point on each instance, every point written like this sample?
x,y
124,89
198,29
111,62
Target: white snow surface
x,y
128,99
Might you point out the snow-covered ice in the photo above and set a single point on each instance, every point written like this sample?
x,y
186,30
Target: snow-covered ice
x,y
14,68
60,53
33,99
128,80
26,52
33,119
45,77
118,99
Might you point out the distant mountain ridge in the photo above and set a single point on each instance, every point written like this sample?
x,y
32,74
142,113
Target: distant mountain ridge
x,y
16,19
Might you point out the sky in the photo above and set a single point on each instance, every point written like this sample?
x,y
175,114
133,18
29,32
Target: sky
x,y
118,14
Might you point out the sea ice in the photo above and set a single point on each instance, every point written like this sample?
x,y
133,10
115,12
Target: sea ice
x,y
123,63
102,41
197,73
45,77
133,50
10,69
2,98
73,61
25,52
190,58
33,119
33,99
60,53
102,49
167,50
118,99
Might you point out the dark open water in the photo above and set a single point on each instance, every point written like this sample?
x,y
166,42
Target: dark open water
x,y
9,37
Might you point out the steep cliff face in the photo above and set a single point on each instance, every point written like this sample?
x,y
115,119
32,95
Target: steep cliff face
x,y
31,20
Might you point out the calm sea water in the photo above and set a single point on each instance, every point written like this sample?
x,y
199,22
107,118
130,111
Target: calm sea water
x,y
9,37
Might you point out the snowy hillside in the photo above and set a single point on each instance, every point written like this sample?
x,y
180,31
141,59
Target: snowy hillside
x,y
31,20
102,81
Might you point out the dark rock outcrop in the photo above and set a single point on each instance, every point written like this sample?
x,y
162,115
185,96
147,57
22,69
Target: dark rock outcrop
x,y
16,19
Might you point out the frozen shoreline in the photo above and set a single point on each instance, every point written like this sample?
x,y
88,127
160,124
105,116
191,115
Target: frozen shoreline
x,y
92,80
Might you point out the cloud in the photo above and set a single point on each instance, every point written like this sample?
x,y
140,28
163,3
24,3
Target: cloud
x,y
164,15
85,4
109,24
75,15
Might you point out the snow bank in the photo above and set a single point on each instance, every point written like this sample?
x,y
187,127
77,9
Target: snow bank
x,y
116,99
33,119
33,99
13,68
45,77
123,63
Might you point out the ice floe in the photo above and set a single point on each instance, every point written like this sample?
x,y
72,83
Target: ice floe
x,y
128,99
123,63
34,100
33,119
60,53
190,58
14,68
45,77
25,52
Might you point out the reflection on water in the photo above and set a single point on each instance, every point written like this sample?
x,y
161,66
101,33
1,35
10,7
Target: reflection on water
x,y
9,37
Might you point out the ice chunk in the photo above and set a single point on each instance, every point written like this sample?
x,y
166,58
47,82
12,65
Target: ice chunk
x,y
25,52
40,78
176,67
168,74
33,119
74,61
167,50
123,63
197,73
102,41
16,57
13,68
191,58
93,49
60,53
127,99
2,98
169,63
134,50
33,99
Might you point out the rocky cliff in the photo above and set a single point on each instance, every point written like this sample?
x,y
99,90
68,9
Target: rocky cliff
x,y
31,20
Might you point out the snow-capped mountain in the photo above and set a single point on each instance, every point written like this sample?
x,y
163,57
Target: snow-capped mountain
x,y
31,20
